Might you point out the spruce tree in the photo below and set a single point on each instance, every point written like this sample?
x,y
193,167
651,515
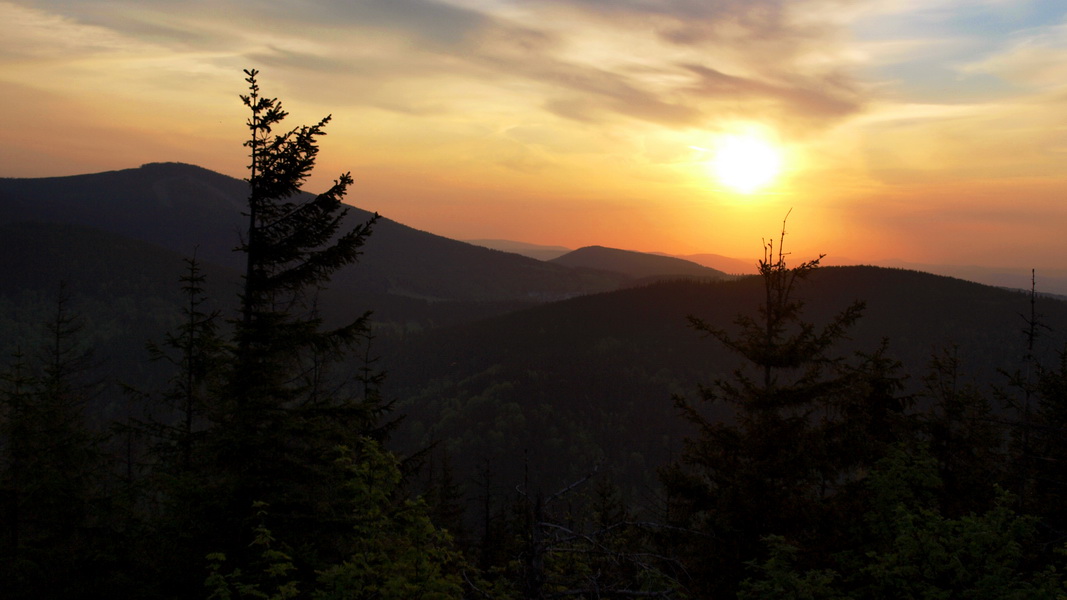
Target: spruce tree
x,y
965,436
183,480
273,467
913,550
196,350
803,423
52,470
279,416
291,249
1039,462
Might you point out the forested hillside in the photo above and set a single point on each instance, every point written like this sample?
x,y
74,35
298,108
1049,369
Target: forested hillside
x,y
589,381
185,208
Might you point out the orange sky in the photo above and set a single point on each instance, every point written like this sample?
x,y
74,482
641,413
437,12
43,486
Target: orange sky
x,y
925,130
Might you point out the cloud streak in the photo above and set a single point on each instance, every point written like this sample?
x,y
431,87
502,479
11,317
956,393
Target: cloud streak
x,y
371,42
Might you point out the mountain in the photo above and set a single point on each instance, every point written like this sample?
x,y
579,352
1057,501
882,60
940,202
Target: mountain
x,y
185,208
124,292
124,284
637,265
734,266
480,358
537,251
564,386
1045,281
179,207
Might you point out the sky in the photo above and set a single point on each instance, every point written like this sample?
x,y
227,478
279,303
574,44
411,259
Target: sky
x,y
929,131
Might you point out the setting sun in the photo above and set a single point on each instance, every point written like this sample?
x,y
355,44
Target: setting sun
x,y
745,163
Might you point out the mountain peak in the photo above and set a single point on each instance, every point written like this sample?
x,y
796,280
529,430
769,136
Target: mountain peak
x,y
638,265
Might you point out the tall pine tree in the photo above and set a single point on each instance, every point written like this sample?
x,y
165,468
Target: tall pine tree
x,y
281,412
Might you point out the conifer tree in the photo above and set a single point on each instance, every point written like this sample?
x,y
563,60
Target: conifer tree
x,y
803,421
51,468
1037,398
292,428
183,480
292,248
271,461
964,436
1039,462
278,417
196,351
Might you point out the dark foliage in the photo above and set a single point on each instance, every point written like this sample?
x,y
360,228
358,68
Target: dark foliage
x,y
804,425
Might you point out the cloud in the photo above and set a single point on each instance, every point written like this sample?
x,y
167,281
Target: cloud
x,y
204,21
1037,59
31,35
590,94
658,61
703,22
820,99
428,21
754,15
160,22
596,60
290,58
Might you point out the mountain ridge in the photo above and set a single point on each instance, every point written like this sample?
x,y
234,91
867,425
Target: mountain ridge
x,y
185,203
537,251
596,374
638,265
185,208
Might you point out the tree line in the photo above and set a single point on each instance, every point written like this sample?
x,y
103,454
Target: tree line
x,y
261,469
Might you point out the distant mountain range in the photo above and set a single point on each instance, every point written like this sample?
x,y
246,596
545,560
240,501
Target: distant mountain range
x,y
184,208
537,251
638,265
118,239
502,358
1047,281
725,264
734,266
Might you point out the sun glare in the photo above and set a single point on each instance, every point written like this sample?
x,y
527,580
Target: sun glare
x,y
745,163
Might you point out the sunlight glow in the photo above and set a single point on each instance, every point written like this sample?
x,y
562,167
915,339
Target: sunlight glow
x,y
745,163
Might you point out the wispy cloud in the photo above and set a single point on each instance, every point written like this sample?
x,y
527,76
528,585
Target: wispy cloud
x,y
1034,57
692,49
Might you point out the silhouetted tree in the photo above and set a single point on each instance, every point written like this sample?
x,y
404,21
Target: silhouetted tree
x,y
292,424
396,553
52,470
1039,458
277,415
18,436
964,436
182,478
804,423
196,350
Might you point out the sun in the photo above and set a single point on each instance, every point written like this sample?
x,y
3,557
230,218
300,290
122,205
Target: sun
x,y
745,163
